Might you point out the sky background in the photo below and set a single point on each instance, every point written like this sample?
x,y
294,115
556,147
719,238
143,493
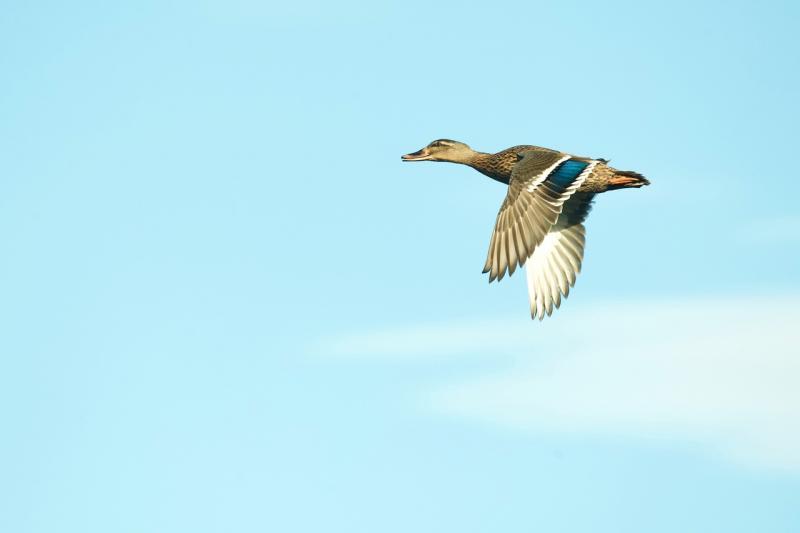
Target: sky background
x,y
228,306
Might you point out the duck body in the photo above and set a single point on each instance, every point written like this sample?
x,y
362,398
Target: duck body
x,y
540,224
500,165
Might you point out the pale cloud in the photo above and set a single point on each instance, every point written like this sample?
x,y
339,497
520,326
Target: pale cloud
x,y
723,372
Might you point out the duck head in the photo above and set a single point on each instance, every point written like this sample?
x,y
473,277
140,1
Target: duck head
x,y
442,150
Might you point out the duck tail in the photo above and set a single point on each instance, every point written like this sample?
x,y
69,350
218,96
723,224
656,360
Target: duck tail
x,y
625,179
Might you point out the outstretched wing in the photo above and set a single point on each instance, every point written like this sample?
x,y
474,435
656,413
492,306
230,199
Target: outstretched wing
x,y
540,184
556,262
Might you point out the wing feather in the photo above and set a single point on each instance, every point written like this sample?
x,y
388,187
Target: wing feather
x,y
554,265
540,184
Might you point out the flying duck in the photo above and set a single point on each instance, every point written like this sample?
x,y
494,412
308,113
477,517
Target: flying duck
x,y
540,224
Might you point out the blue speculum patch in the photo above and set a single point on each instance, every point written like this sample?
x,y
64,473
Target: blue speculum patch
x,y
566,172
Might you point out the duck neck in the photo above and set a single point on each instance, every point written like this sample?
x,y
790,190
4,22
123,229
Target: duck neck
x,y
490,165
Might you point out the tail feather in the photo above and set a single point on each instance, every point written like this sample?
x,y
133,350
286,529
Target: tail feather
x,y
627,178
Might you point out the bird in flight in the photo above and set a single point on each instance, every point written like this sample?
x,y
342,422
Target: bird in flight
x,y
540,224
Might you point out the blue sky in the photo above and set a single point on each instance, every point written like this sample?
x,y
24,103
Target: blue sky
x,y
228,306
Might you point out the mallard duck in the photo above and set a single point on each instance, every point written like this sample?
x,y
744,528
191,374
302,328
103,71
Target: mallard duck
x,y
540,224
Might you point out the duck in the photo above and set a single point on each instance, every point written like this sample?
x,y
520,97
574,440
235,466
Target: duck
x,y
540,225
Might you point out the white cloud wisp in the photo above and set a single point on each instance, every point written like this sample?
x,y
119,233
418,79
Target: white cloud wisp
x,y
723,372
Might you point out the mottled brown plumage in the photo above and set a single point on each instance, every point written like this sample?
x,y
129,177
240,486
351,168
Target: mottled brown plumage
x,y
498,166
